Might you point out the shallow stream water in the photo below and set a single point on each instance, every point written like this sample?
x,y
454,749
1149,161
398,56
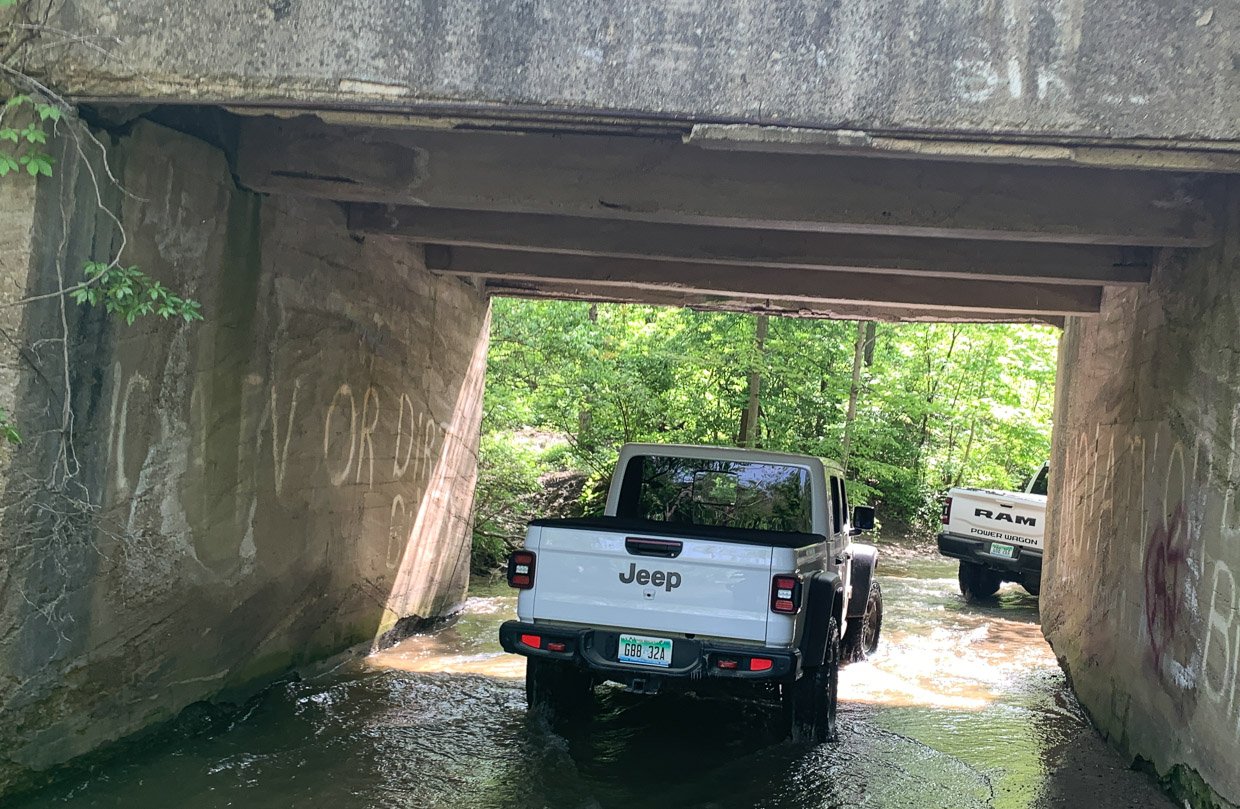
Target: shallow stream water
x,y
963,706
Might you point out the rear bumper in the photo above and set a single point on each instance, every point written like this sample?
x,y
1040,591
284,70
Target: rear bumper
x,y
692,659
1028,561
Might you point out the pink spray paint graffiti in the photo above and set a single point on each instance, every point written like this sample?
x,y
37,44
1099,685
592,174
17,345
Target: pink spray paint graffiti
x,y
1169,587
1165,562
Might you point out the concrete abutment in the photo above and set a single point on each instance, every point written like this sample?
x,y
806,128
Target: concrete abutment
x,y
1140,598
288,479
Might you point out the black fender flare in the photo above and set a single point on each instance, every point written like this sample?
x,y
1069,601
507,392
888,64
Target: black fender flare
x,y
824,600
864,564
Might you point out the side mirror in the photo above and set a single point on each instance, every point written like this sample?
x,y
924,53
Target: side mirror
x,y
863,518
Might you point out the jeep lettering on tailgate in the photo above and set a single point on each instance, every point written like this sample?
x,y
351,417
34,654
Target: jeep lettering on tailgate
x,y
668,580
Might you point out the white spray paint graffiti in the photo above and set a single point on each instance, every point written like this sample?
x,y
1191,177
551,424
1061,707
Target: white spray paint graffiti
x,y
344,392
120,425
279,451
354,438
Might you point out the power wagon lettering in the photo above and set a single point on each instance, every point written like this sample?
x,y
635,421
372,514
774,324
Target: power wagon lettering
x,y
668,580
1003,516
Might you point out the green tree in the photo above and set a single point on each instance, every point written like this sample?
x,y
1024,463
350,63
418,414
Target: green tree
x,y
921,406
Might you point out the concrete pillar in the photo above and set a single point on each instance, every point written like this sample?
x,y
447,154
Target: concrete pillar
x,y
1140,596
286,480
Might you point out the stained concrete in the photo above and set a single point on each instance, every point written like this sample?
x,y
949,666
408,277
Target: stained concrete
x,y
1073,68
1140,597
285,480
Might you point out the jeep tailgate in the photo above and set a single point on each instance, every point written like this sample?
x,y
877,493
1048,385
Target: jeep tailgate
x,y
607,578
1010,517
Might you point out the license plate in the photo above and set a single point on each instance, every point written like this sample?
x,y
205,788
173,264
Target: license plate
x,y
644,650
1006,551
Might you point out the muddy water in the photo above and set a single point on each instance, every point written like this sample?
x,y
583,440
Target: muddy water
x,y
962,707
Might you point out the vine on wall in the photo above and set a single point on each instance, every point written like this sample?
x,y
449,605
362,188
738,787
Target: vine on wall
x,y
30,114
57,520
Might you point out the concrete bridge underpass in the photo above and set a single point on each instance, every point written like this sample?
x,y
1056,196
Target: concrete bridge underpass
x,y
343,187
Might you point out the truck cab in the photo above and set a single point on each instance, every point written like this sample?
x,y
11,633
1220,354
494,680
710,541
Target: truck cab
x,y
713,569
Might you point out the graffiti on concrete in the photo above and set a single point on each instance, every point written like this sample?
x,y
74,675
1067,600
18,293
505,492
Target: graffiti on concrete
x,y
1150,513
1166,576
1222,644
359,430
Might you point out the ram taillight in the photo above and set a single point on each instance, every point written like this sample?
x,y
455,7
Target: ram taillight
x,y
521,570
786,594
946,516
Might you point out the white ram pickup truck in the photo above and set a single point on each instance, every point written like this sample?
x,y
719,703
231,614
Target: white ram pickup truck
x,y
713,570
997,536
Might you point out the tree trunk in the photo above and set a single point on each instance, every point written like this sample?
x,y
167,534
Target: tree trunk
x,y
871,339
968,447
859,352
749,422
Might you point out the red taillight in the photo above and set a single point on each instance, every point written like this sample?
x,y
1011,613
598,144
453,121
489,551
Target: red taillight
x,y
727,663
947,510
786,594
533,641
521,570
556,646
760,664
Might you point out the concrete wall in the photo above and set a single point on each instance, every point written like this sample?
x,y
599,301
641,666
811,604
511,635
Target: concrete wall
x,y
287,479
1105,68
1141,595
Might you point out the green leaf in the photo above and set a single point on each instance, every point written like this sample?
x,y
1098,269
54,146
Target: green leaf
x,y
10,134
47,112
131,293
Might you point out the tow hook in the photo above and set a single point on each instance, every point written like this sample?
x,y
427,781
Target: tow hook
x,y
643,685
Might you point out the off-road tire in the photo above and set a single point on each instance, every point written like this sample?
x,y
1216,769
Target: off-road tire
x,y
978,583
810,703
1032,583
558,691
861,640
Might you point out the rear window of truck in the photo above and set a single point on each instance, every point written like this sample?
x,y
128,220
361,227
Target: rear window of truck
x,y
722,494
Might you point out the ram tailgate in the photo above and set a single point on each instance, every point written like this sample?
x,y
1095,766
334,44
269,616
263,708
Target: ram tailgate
x,y
1010,517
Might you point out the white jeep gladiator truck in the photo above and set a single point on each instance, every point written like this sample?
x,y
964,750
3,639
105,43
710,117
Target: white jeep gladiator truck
x,y
714,570
996,535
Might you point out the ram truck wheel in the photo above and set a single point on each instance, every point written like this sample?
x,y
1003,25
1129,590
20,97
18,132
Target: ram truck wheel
x,y
861,640
978,583
810,703
558,691
1032,583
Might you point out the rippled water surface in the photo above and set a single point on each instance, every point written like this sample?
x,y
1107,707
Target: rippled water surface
x,y
962,707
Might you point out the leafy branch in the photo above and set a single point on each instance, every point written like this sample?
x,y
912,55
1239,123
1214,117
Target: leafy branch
x,y
130,293
26,141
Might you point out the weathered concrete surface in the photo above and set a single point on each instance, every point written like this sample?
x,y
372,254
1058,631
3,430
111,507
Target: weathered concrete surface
x,y
1140,597
1079,68
281,482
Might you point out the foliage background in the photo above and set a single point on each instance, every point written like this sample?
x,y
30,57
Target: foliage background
x,y
938,405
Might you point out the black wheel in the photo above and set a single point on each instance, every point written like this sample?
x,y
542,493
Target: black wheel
x,y
861,640
978,583
558,691
1033,583
810,703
